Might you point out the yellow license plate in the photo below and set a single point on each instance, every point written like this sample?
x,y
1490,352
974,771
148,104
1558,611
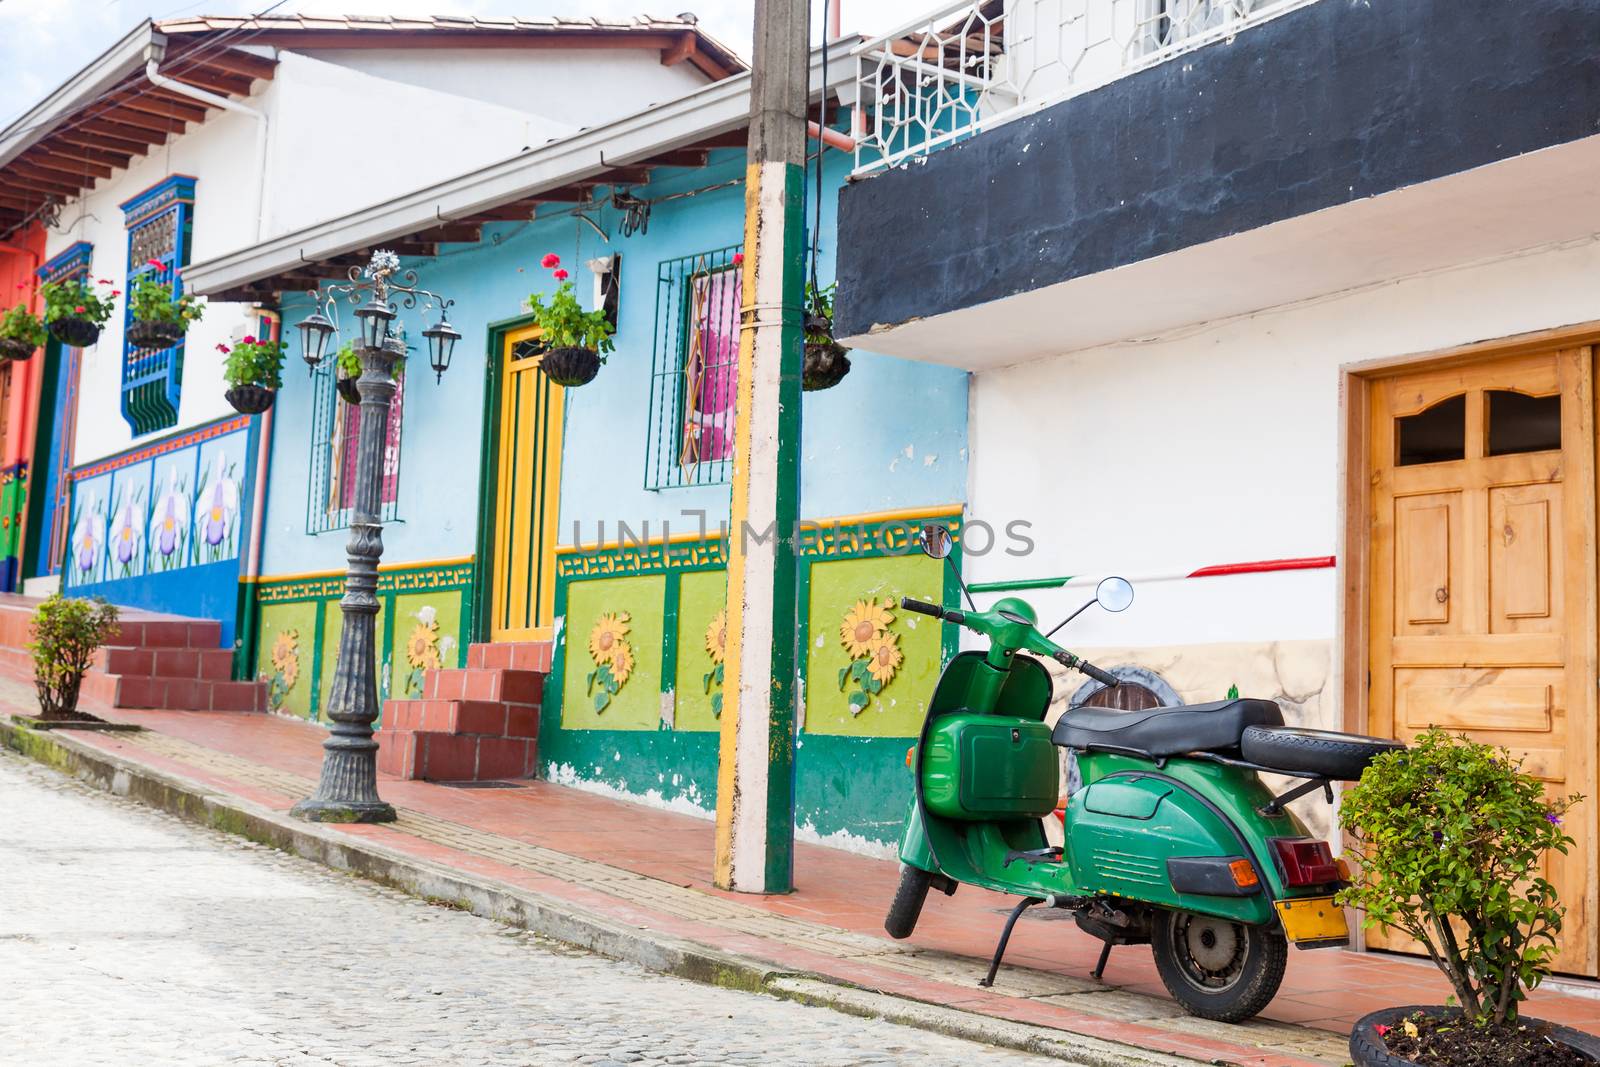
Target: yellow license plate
x,y
1313,919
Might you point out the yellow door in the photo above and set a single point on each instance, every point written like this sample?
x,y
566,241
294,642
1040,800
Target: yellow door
x,y
527,495
1483,581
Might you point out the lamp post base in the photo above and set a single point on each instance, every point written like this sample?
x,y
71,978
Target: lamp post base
x,y
314,810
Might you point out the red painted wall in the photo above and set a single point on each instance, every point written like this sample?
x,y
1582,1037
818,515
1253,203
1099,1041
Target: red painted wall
x,y
20,257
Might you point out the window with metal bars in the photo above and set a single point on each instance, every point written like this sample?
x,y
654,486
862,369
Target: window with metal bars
x,y
335,432
159,223
695,369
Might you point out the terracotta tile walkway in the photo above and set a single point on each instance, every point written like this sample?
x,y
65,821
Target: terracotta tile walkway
x,y
652,868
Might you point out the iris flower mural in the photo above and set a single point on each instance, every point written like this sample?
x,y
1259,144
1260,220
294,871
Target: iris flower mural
x,y
86,536
169,526
217,512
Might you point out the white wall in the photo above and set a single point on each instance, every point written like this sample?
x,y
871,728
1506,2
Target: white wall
x,y
1221,445
567,87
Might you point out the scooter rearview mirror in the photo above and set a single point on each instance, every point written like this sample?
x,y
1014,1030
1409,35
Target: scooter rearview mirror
x,y
935,541
1114,593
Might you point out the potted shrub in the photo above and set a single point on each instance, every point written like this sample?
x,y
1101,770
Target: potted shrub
x,y
21,332
159,319
66,633
826,360
75,311
347,368
574,339
1448,838
254,371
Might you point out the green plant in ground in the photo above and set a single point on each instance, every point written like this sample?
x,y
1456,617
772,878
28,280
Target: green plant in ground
x,y
77,299
20,324
562,321
253,362
152,301
66,632
1450,836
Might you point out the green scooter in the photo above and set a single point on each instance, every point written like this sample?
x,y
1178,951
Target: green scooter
x,y
1172,840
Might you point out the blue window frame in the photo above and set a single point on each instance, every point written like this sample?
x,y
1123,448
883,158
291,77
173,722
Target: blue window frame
x,y
159,223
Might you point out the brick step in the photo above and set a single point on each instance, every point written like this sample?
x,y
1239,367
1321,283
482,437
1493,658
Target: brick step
x,y
484,683
485,718
446,757
175,694
211,664
515,655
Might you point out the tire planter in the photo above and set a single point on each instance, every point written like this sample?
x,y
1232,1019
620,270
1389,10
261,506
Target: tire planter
x,y
250,399
75,332
570,367
1367,1048
825,366
13,350
155,334
347,390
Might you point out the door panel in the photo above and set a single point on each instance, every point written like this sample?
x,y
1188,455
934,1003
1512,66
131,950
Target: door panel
x,y
1482,581
527,494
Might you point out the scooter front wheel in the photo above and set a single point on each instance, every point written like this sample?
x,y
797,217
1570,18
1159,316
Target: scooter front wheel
x,y
1218,969
908,900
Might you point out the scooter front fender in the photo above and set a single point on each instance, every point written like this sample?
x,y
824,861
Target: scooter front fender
x,y
914,850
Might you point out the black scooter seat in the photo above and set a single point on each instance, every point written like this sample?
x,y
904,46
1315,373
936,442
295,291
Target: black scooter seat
x,y
1162,732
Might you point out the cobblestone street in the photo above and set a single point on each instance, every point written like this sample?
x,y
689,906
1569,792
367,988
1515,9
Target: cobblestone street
x,y
128,937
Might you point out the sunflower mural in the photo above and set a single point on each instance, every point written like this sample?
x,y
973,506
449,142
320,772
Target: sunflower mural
x,y
874,651
285,667
717,650
424,649
612,655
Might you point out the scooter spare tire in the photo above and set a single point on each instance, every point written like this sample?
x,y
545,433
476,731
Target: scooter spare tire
x,y
908,900
1322,752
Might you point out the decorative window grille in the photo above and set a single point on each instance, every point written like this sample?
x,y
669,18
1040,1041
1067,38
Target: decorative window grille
x,y
695,370
159,222
335,433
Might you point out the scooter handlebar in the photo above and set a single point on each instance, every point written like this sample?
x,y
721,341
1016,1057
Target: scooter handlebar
x,y
1105,678
922,607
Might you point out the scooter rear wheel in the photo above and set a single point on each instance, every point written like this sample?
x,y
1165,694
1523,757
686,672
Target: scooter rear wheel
x,y
1218,969
908,900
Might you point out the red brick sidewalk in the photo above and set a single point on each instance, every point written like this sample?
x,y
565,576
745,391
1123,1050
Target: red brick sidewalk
x,y
651,868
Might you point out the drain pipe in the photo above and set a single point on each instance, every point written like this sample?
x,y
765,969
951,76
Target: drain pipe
x,y
153,56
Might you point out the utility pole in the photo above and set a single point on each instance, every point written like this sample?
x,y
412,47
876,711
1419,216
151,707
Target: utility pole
x,y
755,766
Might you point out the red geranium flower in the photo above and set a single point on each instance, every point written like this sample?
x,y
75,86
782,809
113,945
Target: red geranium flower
x,y
81,310
550,260
116,292
738,258
1382,1029
561,275
223,349
103,281
156,263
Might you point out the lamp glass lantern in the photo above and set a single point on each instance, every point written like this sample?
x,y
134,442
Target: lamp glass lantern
x,y
375,319
315,333
442,338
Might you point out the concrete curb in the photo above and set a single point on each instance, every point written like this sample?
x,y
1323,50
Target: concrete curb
x,y
490,898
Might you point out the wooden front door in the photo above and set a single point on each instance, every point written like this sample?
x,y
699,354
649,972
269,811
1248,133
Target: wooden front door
x,y
527,494
1482,606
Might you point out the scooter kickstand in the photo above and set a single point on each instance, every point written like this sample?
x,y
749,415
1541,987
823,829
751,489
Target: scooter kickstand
x,y
1100,968
1005,935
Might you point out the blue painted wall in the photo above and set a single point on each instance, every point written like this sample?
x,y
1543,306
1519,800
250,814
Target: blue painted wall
x,y
891,435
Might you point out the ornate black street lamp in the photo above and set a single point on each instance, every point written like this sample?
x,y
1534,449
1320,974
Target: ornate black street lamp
x,y
348,790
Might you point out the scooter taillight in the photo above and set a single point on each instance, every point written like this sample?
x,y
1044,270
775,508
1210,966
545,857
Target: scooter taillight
x,y
1304,861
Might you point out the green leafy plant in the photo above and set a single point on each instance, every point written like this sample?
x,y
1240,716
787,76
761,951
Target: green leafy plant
x,y
1450,836
152,301
348,365
562,321
819,313
20,324
66,633
253,362
77,299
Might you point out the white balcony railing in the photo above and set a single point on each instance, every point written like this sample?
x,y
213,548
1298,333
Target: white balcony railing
x,y
967,67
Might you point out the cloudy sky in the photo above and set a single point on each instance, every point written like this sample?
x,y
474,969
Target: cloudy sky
x,y
44,42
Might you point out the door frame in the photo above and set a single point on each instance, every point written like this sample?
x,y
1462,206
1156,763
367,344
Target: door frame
x,y
489,475
1353,598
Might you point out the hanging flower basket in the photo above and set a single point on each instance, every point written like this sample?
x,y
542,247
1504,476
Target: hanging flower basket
x,y
825,365
347,390
251,399
571,366
14,350
75,332
155,334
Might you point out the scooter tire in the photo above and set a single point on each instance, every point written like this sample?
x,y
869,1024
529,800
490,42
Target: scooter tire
x,y
908,901
1250,989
